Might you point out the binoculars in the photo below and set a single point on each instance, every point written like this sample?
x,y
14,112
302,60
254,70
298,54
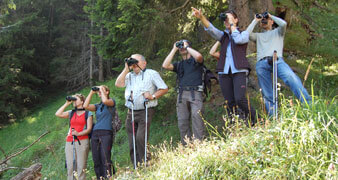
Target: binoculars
x,y
264,15
70,98
130,61
180,44
223,16
95,88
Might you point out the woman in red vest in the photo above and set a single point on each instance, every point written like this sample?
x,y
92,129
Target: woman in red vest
x,y
77,141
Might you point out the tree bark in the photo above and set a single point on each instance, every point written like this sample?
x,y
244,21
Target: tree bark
x,y
31,173
101,60
91,57
246,9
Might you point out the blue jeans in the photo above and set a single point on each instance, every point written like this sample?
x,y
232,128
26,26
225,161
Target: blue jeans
x,y
284,72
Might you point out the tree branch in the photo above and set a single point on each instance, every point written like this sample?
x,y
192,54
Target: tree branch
x,y
8,168
308,71
181,7
320,6
24,149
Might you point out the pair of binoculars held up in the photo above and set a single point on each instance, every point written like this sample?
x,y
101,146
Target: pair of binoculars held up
x,y
70,98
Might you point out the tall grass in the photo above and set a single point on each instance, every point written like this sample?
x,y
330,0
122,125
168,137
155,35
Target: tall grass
x,y
301,144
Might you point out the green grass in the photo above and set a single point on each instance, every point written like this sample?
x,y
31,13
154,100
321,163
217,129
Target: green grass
x,y
302,144
50,149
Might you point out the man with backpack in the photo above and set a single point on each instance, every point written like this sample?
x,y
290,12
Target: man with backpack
x,y
190,89
142,89
232,66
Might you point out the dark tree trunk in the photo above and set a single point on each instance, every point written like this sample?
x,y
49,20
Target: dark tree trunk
x,y
246,9
91,56
101,60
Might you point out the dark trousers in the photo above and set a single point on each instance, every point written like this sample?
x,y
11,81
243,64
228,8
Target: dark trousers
x,y
233,88
140,124
101,143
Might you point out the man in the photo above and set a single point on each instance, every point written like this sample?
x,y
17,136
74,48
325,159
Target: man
x,y
141,84
232,66
267,42
190,87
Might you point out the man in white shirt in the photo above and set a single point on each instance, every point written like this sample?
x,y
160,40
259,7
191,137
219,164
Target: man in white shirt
x,y
140,84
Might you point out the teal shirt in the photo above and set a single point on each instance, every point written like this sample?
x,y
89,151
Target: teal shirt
x,y
103,117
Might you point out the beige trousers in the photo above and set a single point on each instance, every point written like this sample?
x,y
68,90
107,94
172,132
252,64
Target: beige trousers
x,y
81,156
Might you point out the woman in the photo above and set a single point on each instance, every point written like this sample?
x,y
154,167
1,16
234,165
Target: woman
x,y
101,140
77,136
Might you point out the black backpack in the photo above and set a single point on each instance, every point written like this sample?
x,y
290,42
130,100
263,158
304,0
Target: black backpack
x,y
206,78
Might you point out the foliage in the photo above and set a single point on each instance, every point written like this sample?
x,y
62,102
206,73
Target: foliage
x,y
22,61
5,5
300,145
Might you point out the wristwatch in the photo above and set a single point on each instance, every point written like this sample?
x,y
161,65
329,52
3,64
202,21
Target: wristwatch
x,y
231,24
154,97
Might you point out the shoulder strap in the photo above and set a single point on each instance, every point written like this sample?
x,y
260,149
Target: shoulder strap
x,y
71,115
86,117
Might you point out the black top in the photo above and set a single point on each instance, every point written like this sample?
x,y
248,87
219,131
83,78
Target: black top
x,y
189,72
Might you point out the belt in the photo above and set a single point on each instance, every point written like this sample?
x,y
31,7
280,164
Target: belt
x,y
192,90
269,58
141,109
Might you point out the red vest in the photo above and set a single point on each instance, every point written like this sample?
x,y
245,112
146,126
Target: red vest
x,y
238,53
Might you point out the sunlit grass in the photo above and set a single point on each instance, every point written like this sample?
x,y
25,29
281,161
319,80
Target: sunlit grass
x,y
302,144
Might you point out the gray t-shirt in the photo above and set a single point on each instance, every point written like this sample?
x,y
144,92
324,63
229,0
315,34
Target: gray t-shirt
x,y
268,41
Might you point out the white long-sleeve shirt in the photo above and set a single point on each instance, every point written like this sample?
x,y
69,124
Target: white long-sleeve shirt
x,y
268,41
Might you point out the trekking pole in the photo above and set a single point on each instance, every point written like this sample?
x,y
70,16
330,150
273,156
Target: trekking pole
x,y
74,162
275,89
145,141
133,125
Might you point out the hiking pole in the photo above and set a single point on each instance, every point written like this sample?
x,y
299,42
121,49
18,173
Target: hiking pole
x,y
275,89
74,162
145,140
133,125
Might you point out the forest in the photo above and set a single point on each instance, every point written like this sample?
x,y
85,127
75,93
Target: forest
x,y
53,48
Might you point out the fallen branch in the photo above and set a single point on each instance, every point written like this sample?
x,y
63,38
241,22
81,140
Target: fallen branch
x,y
24,149
320,6
31,173
308,71
8,168
181,7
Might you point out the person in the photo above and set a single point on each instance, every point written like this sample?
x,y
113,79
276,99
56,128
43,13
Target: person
x,y
213,51
190,89
232,66
141,84
79,127
101,140
267,42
